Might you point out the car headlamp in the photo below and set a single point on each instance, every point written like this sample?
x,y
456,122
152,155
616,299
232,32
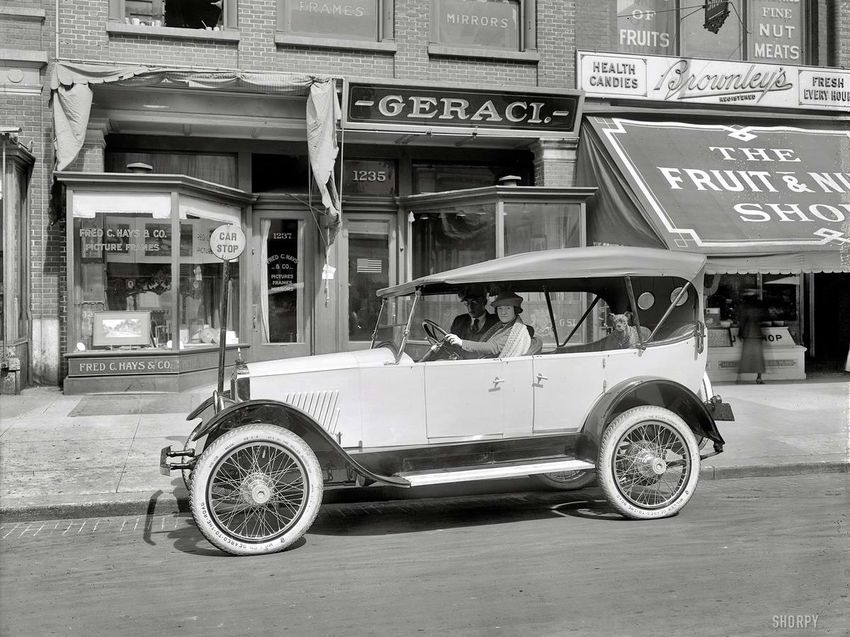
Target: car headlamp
x,y
240,380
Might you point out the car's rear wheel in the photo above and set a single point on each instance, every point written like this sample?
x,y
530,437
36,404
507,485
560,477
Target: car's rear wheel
x,y
648,463
256,489
566,480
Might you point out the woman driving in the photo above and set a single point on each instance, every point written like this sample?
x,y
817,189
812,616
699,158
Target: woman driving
x,y
509,337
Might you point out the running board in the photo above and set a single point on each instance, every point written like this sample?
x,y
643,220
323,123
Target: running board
x,y
489,472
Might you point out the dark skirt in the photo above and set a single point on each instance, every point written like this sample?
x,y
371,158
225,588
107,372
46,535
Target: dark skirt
x,y
752,356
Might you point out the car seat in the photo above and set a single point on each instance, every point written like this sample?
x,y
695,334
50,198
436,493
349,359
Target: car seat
x,y
536,346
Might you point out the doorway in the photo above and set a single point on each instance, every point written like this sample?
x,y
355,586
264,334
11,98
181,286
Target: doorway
x,y
830,299
281,313
369,248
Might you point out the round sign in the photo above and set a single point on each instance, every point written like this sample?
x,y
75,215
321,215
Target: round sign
x,y
227,242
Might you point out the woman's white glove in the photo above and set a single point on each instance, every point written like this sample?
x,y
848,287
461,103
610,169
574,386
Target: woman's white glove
x,y
454,339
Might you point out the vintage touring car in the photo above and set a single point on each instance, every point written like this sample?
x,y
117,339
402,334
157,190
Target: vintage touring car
x,y
582,402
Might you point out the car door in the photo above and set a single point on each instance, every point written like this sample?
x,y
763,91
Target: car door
x,y
478,399
565,387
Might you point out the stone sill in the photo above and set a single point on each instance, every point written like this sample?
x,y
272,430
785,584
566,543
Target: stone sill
x,y
23,55
176,33
439,50
287,39
23,12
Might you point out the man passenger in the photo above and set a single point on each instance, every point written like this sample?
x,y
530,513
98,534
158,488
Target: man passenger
x,y
477,321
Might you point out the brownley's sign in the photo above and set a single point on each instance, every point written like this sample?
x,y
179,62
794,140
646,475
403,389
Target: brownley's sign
x,y
746,84
421,107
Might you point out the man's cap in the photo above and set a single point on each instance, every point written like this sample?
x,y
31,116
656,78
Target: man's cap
x,y
507,298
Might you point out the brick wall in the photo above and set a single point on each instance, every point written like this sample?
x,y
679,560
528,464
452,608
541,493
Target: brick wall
x,y
841,11
30,33
562,26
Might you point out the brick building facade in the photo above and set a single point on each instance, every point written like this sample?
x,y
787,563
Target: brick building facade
x,y
252,39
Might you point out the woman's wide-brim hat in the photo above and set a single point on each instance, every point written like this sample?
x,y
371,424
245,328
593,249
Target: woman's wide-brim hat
x,y
508,298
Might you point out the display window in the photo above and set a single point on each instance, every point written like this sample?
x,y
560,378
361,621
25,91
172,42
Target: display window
x,y
778,295
444,239
146,279
531,226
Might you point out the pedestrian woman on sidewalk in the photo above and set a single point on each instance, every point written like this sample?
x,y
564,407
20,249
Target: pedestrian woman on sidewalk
x,y
750,316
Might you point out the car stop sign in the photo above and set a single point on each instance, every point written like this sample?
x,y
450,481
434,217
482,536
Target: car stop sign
x,y
227,242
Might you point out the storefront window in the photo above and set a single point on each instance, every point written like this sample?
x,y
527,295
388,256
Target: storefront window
x,y
491,24
125,296
778,294
201,287
446,239
531,226
124,286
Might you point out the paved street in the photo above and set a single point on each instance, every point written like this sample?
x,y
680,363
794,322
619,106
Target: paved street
x,y
743,557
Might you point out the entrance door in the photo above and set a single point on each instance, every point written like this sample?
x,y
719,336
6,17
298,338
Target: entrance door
x,y
371,248
281,309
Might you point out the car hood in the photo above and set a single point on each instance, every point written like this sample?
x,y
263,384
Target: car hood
x,y
322,362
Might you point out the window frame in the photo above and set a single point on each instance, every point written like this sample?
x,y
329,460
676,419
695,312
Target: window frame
x,y
527,38
228,33
385,41
807,54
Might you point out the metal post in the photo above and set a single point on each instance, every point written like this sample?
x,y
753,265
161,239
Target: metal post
x,y
222,321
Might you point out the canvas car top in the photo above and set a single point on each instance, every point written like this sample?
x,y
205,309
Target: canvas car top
x,y
565,263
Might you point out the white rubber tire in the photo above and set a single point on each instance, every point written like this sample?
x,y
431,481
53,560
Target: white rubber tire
x,y
566,480
286,457
618,434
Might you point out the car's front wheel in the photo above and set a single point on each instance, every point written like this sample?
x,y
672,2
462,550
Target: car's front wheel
x,y
648,463
566,480
256,489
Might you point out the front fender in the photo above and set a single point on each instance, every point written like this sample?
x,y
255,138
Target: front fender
x,y
298,422
648,390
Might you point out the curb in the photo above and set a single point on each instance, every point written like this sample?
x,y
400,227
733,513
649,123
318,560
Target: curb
x,y
30,508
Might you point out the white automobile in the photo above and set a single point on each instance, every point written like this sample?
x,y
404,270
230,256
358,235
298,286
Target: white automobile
x,y
610,385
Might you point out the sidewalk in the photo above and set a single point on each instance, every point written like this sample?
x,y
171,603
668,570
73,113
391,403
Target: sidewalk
x,y
98,455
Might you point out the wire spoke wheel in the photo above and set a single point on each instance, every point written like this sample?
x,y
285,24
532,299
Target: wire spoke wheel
x,y
648,462
651,464
256,489
566,480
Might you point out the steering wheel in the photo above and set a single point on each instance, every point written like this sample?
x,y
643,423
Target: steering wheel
x,y
436,334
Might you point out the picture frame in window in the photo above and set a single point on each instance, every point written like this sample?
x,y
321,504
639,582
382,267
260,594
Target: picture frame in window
x,y
91,240
121,329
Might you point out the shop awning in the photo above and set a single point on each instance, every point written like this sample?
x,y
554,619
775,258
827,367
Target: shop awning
x,y
751,198
72,96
